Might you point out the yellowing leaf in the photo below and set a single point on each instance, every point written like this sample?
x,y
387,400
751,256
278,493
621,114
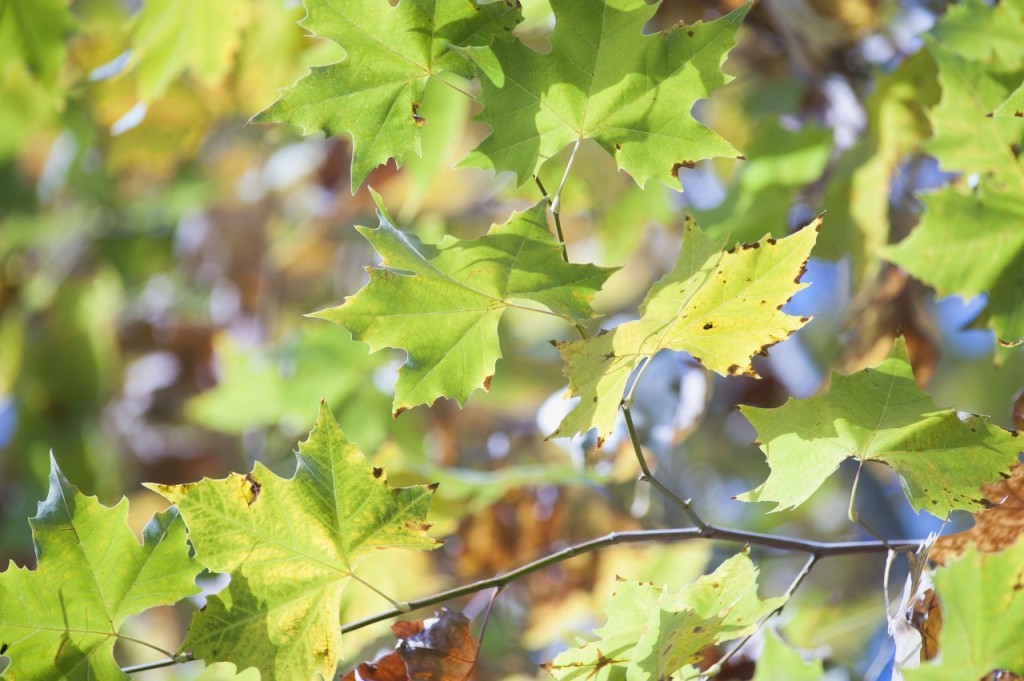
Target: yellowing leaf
x,y
652,633
722,307
60,621
291,546
605,80
441,302
881,414
374,94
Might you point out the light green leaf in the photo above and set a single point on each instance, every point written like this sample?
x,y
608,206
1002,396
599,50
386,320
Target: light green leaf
x,y
61,620
982,617
607,81
978,30
441,302
968,244
881,414
652,633
291,546
780,164
174,36
1013,106
966,136
779,661
374,94
723,307
34,33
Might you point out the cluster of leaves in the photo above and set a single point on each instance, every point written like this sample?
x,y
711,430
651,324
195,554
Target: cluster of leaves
x,y
291,546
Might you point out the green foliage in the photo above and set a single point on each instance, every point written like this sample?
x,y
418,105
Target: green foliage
x,y
375,93
156,255
604,80
652,633
881,414
983,614
442,303
968,241
291,546
61,620
722,307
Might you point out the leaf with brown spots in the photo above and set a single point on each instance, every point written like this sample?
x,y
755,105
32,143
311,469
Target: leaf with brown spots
x,y
291,546
995,528
881,414
651,633
437,649
723,307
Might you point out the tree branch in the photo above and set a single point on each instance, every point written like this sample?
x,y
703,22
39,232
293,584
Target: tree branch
x,y
814,548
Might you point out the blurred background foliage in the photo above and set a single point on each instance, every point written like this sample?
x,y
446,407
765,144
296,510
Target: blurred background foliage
x,y
157,255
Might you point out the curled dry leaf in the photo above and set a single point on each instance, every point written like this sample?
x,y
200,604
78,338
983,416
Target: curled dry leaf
x,y
995,528
437,649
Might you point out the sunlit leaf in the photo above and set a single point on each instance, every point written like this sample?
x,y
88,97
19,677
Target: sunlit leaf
x,y
61,620
605,80
881,414
723,307
291,546
652,633
375,93
441,303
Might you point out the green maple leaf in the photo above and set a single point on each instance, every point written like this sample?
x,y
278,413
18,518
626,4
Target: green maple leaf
x,y
652,633
291,546
441,303
982,617
374,94
881,414
969,242
967,137
978,30
61,620
605,80
722,307
34,32
174,36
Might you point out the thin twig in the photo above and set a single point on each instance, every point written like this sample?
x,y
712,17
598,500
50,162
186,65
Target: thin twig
x,y
159,664
816,548
851,512
685,504
716,668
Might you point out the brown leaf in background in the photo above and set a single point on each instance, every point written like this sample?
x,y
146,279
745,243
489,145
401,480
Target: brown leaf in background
x,y
437,649
926,617
994,528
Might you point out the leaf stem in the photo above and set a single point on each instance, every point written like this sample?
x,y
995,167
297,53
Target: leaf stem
x,y
815,548
555,215
685,504
851,512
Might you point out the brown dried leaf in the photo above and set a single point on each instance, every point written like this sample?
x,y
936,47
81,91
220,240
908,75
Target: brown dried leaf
x,y
994,528
926,617
437,649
